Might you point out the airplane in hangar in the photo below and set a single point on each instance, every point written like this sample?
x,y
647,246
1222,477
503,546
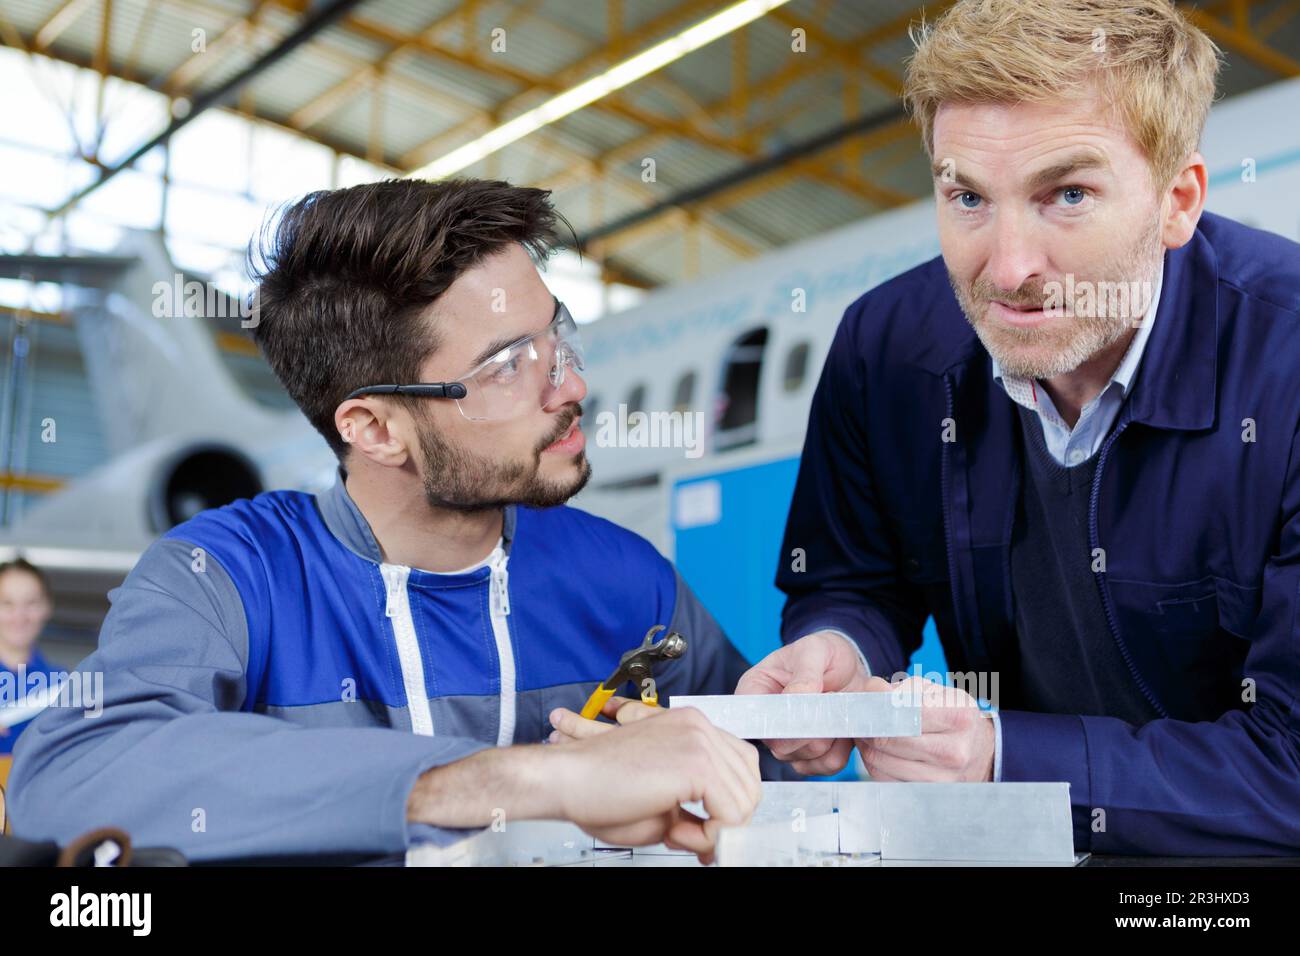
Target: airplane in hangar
x,y
191,418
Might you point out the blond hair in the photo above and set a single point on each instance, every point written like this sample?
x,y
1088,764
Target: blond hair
x,y
1155,69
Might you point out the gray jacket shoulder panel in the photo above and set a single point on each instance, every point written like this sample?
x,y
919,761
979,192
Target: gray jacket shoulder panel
x,y
170,758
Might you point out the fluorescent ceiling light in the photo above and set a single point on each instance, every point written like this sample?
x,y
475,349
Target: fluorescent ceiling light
x,y
587,92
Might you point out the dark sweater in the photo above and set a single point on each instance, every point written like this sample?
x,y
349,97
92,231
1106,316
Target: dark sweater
x,y
1069,662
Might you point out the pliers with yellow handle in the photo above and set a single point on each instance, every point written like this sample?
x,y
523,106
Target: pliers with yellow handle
x,y
637,666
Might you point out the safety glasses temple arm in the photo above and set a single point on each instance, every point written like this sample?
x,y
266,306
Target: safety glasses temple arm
x,y
428,389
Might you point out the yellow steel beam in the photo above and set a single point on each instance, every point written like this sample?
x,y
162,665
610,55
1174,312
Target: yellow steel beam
x,y
10,35
738,193
40,316
670,219
105,36
1241,15
739,106
40,484
1271,22
852,156
59,20
316,109
661,125
691,247
237,344
643,193
797,71
250,114
890,29
1275,18
1244,43
742,248
588,65
375,134
799,68
687,106
568,156
235,32
600,184
101,67
818,167
850,56
346,60
251,27
887,158
141,29
614,29
613,272
676,219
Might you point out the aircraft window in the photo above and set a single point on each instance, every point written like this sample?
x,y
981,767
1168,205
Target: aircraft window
x,y
684,392
738,401
796,367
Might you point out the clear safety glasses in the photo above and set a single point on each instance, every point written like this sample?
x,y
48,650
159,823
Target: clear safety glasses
x,y
520,378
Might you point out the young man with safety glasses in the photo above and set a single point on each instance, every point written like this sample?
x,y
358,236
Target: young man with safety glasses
x,y
300,674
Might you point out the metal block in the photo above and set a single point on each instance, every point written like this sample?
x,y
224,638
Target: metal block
x,y
804,843
987,822
790,716
525,843
784,801
1078,858
820,823
637,858
654,849
858,806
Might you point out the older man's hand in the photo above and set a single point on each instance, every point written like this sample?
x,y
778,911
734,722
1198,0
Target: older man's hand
x,y
821,663
957,739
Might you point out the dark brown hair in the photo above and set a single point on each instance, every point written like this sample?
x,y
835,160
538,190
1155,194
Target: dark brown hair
x,y
22,564
345,274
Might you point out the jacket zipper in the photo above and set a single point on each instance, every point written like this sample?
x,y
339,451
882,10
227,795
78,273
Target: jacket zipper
x,y
397,607
1100,576
500,610
944,497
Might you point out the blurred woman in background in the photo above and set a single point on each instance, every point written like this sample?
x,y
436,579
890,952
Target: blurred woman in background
x,y
25,607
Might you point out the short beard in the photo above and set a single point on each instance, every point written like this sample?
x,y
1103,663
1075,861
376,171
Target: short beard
x,y
1063,343
458,480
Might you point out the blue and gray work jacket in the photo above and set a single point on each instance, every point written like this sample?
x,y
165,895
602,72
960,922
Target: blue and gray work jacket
x,y
274,687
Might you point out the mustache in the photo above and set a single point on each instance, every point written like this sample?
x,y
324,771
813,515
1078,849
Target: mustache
x,y
567,418
1024,297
